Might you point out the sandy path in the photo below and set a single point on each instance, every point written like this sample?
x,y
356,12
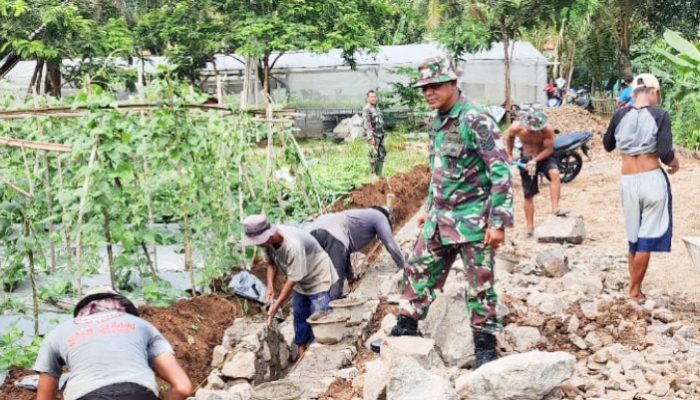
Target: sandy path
x,y
594,196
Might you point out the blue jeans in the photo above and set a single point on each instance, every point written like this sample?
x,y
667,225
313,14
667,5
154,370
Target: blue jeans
x,y
304,306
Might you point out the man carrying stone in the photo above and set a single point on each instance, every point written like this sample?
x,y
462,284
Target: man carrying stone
x,y
347,232
469,205
643,135
309,272
537,137
373,122
110,352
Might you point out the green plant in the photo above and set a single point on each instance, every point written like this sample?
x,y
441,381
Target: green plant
x,y
682,96
55,290
12,305
161,294
408,96
13,351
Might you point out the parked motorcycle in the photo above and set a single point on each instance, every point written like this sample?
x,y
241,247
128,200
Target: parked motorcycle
x,y
583,99
566,154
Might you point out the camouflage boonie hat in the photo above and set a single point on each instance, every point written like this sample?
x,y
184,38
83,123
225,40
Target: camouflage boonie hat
x,y
436,70
534,120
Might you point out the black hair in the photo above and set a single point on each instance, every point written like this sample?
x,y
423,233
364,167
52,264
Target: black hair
x,y
371,91
386,213
628,78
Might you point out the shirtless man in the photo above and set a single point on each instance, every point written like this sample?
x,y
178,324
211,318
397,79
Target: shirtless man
x,y
538,145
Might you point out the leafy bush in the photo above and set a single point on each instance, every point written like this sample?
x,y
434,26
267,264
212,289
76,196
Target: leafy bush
x,y
683,97
13,353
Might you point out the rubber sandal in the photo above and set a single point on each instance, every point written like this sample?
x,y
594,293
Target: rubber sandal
x,y
560,213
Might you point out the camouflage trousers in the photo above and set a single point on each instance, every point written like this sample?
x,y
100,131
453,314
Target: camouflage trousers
x,y
427,272
377,153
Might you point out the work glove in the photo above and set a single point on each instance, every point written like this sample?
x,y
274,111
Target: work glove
x,y
531,167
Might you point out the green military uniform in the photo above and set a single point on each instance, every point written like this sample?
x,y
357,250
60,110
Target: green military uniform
x,y
373,122
470,191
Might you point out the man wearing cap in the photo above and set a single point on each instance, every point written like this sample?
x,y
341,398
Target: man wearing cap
x,y
349,231
308,268
373,122
537,137
643,135
110,352
469,206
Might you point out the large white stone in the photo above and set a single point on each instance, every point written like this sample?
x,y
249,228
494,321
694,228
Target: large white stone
x,y
584,283
523,338
240,365
205,394
547,304
447,320
561,230
554,262
525,376
418,348
350,128
408,380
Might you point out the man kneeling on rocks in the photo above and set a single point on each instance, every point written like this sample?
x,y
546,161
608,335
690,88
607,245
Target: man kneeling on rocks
x,y
308,268
346,232
110,352
470,203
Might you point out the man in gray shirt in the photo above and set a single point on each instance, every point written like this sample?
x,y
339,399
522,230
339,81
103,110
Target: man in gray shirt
x,y
309,271
110,352
346,232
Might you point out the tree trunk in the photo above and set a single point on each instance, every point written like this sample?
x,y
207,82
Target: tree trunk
x,y
36,76
506,62
624,40
110,248
52,84
266,77
572,55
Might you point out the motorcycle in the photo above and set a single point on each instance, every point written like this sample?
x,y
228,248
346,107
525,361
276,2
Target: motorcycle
x,y
583,99
566,155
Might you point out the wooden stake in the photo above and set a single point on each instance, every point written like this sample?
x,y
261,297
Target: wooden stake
x,y
66,231
81,213
49,201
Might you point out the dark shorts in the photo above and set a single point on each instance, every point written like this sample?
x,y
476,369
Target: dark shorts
x,y
340,257
304,306
121,391
531,183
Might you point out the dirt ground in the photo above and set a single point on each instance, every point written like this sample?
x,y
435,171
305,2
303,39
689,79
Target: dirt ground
x,y
595,197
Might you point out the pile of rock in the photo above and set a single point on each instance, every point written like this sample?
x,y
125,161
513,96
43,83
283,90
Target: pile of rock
x,y
251,353
350,128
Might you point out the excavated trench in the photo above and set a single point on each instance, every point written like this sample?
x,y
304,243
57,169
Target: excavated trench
x,y
195,326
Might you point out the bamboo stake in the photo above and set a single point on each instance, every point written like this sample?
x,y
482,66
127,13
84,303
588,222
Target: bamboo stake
x,y
66,231
15,187
189,264
32,277
59,148
110,249
321,206
28,172
49,200
81,213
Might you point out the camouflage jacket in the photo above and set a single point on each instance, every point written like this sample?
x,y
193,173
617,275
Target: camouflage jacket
x,y
372,121
470,189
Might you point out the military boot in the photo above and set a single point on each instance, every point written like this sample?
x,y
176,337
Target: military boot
x,y
484,348
405,326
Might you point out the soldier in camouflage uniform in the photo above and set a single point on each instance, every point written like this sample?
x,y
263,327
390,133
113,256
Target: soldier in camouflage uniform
x,y
373,122
470,203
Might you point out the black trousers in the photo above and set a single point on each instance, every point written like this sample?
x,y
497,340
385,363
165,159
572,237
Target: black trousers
x,y
121,391
340,257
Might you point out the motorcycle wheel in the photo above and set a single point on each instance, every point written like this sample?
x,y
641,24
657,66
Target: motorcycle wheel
x,y
570,165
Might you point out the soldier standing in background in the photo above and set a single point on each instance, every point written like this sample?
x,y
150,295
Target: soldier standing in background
x,y
373,122
470,203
